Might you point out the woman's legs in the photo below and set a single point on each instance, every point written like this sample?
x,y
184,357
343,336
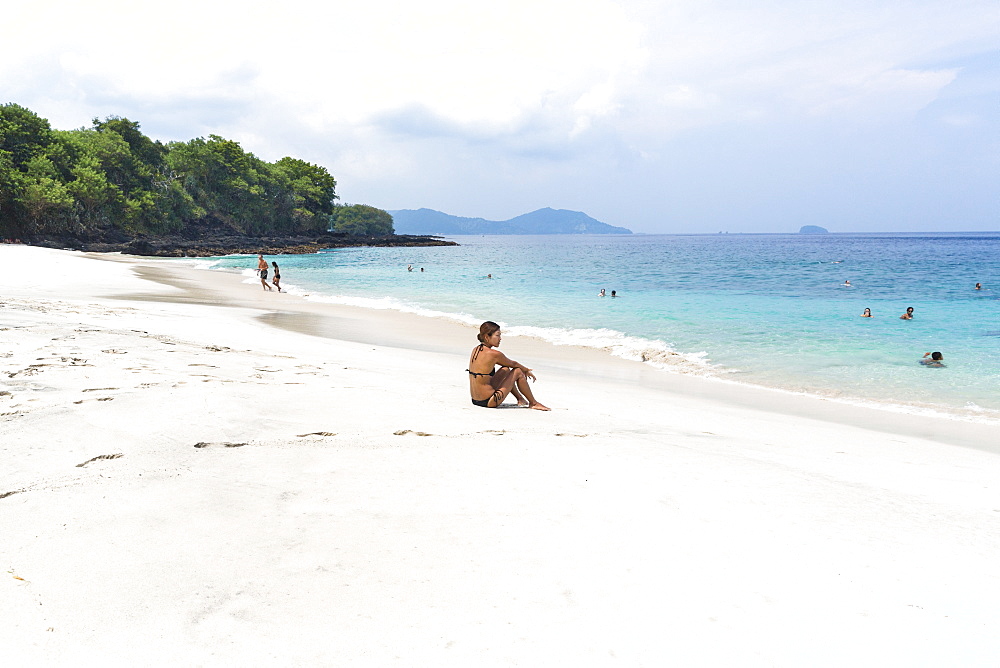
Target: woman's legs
x,y
522,384
499,380
513,381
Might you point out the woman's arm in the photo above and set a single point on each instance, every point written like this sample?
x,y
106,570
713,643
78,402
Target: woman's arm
x,y
503,360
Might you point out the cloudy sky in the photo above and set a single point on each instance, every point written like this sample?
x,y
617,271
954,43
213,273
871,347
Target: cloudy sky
x,y
660,116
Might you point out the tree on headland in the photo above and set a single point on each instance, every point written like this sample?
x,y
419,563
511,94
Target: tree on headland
x,y
110,181
361,219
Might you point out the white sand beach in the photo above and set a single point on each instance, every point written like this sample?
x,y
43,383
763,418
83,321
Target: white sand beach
x,y
200,473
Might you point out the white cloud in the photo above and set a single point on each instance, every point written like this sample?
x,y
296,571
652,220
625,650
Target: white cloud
x,y
392,92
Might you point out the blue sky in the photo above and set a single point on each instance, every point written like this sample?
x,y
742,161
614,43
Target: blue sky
x,y
670,116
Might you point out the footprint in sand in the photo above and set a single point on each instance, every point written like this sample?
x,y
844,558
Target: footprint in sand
x,y
222,445
94,459
404,432
317,433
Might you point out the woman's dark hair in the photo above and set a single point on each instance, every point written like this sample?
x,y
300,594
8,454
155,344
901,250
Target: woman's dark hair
x,y
275,264
936,356
486,330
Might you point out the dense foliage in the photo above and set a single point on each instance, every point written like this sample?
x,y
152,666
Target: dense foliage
x,y
112,180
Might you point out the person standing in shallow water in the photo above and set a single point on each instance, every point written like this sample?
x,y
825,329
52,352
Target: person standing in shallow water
x,y
262,270
489,386
277,276
908,315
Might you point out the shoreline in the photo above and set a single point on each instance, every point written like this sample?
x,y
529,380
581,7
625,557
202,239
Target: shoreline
x,y
331,320
186,483
658,354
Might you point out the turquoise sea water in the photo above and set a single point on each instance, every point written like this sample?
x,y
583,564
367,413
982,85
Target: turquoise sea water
x,y
768,310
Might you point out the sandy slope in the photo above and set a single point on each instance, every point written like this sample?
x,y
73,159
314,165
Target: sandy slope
x,y
184,483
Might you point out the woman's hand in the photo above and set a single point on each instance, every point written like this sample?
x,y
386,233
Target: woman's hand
x,y
529,374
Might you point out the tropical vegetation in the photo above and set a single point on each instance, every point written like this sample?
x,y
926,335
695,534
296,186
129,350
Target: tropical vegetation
x,y
111,180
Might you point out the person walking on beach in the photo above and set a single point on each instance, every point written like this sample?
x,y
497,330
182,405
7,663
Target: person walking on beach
x,y
277,276
908,315
490,386
262,270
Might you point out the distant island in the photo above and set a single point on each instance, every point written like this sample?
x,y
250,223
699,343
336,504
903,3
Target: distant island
x,y
542,221
813,229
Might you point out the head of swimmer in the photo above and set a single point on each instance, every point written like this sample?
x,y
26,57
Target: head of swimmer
x,y
937,357
489,334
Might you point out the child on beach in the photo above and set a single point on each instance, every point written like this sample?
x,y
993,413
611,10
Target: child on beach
x,y
489,386
936,359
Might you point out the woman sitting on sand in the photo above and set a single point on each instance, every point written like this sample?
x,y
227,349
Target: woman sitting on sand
x,y
489,387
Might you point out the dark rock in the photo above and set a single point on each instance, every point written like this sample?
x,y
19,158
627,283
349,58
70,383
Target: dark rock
x,y
214,243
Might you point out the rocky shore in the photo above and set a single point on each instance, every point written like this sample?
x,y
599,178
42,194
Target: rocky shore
x,y
212,245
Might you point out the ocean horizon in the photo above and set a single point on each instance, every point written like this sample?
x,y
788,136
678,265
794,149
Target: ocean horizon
x,y
775,310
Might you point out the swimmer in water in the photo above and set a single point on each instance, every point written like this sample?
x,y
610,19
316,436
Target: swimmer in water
x,y
979,286
613,294
867,313
847,284
936,359
601,293
908,315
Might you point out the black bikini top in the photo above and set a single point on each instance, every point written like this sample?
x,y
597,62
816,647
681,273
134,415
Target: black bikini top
x,y
473,373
